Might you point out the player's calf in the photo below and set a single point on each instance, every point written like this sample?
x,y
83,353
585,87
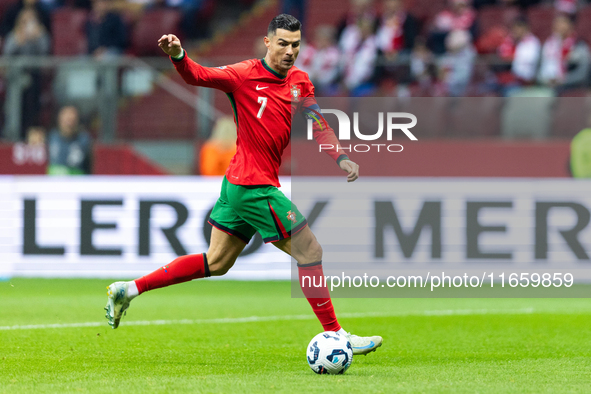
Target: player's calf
x,y
219,264
182,269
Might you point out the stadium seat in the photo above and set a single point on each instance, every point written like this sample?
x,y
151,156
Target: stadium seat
x,y
69,36
149,28
494,23
583,26
425,9
158,115
540,20
238,43
492,16
491,39
329,12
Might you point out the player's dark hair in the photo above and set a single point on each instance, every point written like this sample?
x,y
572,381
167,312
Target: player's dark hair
x,y
284,21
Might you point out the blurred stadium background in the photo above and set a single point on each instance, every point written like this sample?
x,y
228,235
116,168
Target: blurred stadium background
x,y
500,88
143,120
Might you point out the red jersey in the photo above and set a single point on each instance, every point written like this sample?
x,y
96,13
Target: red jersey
x,y
262,103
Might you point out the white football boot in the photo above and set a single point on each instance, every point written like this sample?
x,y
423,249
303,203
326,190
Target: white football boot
x,y
117,303
364,345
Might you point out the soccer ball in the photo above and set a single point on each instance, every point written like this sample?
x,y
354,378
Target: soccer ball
x,y
329,353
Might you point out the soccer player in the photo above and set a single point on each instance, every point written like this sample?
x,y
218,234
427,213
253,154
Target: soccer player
x,y
262,92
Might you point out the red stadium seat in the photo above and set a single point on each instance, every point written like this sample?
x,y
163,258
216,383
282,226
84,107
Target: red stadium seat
x,y
491,39
493,16
329,12
540,20
68,30
158,115
583,25
494,23
149,28
425,9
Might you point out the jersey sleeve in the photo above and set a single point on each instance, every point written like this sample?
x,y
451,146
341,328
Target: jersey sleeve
x,y
323,133
225,78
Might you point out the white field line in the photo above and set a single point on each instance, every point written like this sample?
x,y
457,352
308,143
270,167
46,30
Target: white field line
x,y
249,319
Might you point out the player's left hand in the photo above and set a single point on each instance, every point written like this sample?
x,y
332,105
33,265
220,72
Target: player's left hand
x,y
351,168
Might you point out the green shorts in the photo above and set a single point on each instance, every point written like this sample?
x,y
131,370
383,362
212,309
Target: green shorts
x,y
243,210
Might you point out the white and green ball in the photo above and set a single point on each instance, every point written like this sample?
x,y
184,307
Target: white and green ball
x,y
329,353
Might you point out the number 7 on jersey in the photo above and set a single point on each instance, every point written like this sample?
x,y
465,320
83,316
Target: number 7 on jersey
x,y
263,102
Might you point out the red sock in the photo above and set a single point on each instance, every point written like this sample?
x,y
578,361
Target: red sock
x,y
182,269
317,294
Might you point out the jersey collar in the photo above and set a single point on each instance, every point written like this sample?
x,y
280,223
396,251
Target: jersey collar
x,y
275,73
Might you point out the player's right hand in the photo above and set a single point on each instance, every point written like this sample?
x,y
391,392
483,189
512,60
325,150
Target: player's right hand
x,y
171,45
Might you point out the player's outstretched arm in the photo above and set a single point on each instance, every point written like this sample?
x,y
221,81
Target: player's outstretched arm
x,y
226,78
171,45
351,168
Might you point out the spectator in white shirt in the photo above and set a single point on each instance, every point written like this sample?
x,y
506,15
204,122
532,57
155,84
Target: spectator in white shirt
x,y
456,66
460,15
360,62
398,29
350,34
321,59
522,48
565,58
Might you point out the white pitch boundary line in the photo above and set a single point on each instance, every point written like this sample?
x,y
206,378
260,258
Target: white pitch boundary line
x,y
250,319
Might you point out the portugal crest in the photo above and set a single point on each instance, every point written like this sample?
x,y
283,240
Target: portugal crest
x,y
291,216
296,93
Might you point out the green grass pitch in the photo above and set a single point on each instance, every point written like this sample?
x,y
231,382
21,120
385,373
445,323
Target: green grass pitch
x,y
430,345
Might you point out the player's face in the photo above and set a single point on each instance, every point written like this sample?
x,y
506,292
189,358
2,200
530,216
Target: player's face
x,y
283,49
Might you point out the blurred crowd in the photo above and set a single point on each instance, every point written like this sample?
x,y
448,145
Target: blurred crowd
x,y
100,29
66,149
108,26
381,48
378,48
